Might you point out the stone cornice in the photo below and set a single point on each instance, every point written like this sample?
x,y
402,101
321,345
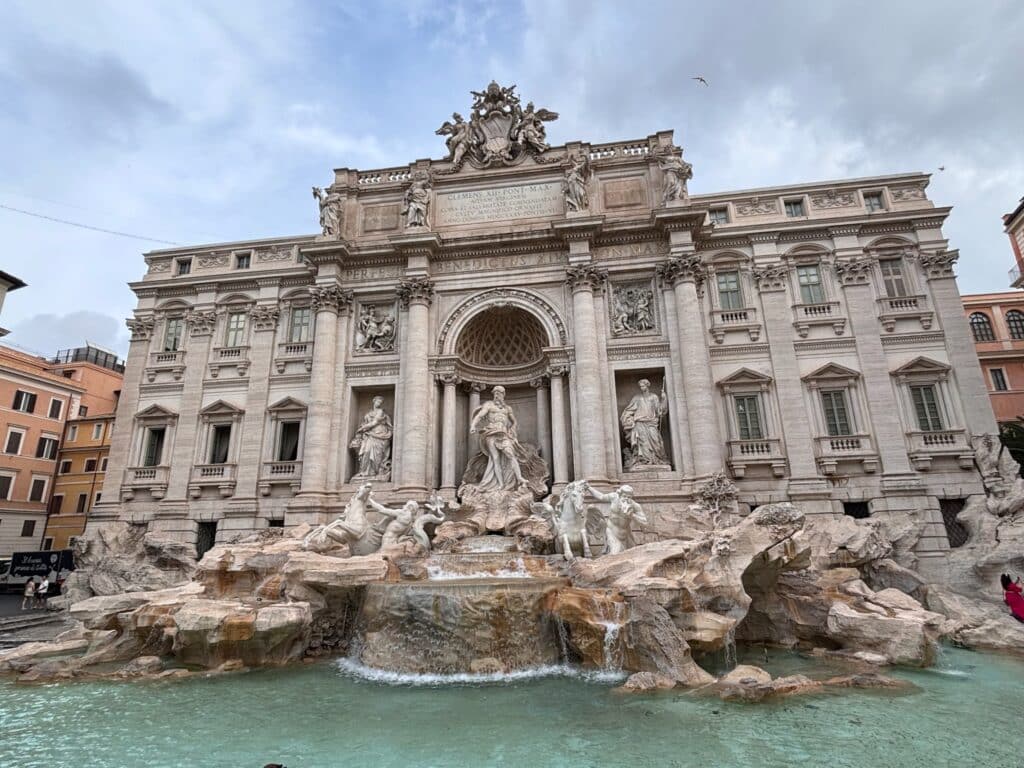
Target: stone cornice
x,y
417,242
582,228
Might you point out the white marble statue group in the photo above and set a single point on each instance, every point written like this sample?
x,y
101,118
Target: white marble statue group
x,y
574,523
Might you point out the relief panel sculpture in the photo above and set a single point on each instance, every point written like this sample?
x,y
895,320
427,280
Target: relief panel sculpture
x,y
632,309
375,331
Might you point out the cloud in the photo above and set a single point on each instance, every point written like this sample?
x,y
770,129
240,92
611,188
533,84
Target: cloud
x,y
47,333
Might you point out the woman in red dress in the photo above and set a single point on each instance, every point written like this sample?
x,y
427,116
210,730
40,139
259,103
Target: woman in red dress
x,y
1013,596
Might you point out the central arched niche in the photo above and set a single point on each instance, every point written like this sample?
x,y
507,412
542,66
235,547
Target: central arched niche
x,y
502,344
501,338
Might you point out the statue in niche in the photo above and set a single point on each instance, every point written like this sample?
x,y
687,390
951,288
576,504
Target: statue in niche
x,y
417,200
375,333
641,424
676,173
504,478
372,443
330,212
623,510
574,185
459,141
632,311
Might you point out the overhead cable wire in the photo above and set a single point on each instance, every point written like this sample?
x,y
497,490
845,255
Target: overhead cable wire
x,y
86,226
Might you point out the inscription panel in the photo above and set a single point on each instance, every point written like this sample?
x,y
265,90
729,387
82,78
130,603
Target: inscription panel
x,y
624,193
525,201
486,263
380,217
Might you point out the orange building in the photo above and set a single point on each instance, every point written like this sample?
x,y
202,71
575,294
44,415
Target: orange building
x,y
997,322
38,396
1013,223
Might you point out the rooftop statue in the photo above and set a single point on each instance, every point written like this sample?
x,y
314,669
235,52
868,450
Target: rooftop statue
x,y
499,129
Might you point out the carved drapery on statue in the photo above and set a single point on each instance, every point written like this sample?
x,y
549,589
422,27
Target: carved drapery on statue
x,y
331,213
372,444
416,202
574,185
641,425
499,130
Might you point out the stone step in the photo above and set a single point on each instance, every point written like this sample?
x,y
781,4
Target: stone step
x,y
17,623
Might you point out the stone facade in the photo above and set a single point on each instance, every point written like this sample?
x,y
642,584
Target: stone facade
x,y
768,318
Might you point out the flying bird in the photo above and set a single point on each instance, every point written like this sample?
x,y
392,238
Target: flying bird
x,y
700,80
942,167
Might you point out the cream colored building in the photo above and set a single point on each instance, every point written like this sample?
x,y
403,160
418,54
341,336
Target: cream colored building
x,y
810,340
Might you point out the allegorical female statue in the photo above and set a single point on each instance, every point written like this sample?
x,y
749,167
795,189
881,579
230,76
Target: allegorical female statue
x,y
495,423
641,423
372,443
416,200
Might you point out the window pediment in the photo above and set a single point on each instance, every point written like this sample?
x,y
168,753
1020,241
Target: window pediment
x,y
922,366
831,373
156,413
745,379
221,408
287,405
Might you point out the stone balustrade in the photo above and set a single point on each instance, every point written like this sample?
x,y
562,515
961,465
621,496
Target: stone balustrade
x,y
766,451
925,447
833,449
822,313
221,476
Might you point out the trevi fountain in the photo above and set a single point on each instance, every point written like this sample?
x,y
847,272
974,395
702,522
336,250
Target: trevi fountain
x,y
624,592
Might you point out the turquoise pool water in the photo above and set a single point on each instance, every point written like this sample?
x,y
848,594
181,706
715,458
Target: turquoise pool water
x,y
969,712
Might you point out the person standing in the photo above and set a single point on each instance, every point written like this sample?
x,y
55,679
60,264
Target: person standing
x,y
43,592
29,595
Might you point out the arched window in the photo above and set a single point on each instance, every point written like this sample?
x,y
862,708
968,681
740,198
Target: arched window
x,y
981,327
1015,321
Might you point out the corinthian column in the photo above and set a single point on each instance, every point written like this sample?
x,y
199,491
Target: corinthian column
x,y
450,382
583,281
328,301
415,295
685,274
540,384
558,442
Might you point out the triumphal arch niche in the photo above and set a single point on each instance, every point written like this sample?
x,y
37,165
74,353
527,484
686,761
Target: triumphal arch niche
x,y
806,341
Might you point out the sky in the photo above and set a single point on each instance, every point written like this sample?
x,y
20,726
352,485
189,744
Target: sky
x,y
209,121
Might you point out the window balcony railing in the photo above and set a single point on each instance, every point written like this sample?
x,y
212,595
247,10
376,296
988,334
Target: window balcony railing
x,y
766,452
833,449
221,476
300,352
822,313
723,320
152,479
225,357
927,446
280,473
893,308
167,358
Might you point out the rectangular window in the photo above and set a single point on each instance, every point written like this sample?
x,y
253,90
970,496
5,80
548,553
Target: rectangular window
x,y
998,380
48,543
206,537
220,441
795,208
892,276
748,417
83,411
243,261
90,465
83,498
873,201
46,448
97,431
302,318
56,502
13,444
56,408
173,333
235,330
288,442
154,451
38,489
926,407
72,433
809,277
65,466
837,419
184,266
28,527
719,215
6,485
729,295
103,464
24,402
97,499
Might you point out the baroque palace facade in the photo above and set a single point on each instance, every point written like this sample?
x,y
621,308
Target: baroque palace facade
x,y
808,340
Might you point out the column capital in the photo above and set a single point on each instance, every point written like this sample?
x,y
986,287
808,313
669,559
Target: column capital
x,y
555,371
771,277
265,316
475,386
415,290
330,298
682,269
856,271
449,379
201,322
541,382
141,327
585,277
938,264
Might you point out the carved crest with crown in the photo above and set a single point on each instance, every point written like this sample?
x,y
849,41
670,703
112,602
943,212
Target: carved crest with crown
x,y
499,132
